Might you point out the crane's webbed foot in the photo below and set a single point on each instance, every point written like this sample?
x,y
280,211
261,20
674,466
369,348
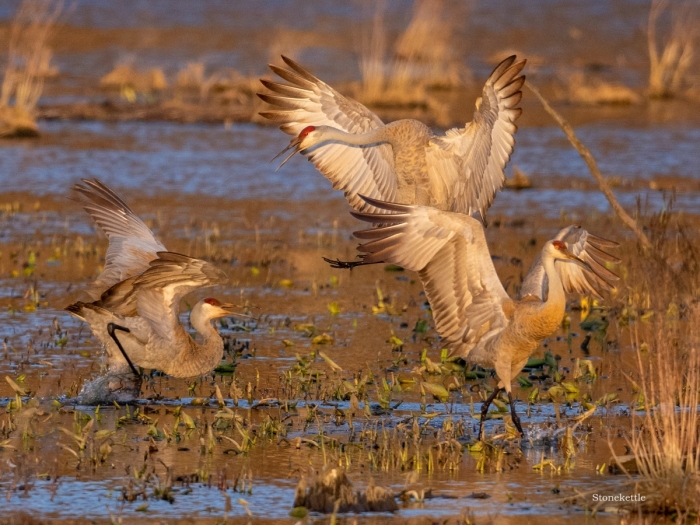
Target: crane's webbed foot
x,y
343,265
485,410
514,415
111,327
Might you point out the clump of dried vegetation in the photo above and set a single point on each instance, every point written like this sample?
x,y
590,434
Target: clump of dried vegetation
x,y
28,64
330,491
583,89
192,93
673,61
126,77
665,436
423,57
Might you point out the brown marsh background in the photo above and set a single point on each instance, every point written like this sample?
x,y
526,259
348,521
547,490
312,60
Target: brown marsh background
x,y
344,370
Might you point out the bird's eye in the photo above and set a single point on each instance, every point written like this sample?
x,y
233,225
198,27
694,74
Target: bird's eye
x,y
212,301
559,245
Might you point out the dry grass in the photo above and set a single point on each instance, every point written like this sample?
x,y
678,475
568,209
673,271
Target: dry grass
x,y
665,437
126,77
28,63
583,90
424,57
671,62
430,42
227,85
666,445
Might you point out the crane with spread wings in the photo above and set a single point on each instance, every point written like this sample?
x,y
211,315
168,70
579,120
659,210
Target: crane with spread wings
x,y
475,317
403,161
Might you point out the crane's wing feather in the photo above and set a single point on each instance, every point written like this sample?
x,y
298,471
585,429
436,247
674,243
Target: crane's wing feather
x,y
132,244
169,278
308,101
576,279
465,167
450,253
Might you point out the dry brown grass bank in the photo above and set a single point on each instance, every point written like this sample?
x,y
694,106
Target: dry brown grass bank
x,y
28,63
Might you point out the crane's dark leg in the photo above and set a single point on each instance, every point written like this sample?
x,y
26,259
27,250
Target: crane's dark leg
x,y
111,327
516,419
485,409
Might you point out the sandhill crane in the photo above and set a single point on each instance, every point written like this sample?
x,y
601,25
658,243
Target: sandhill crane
x,y
402,161
473,314
155,338
139,292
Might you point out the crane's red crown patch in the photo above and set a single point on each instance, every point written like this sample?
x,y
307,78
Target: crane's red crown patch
x,y
306,131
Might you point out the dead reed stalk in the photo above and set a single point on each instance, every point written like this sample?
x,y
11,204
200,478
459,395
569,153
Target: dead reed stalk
x,y
593,168
668,69
28,60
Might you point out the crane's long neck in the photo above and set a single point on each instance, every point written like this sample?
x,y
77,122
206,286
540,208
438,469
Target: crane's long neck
x,y
375,136
556,296
195,358
534,322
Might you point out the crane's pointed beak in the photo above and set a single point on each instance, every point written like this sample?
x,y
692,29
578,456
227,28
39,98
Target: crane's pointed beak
x,y
294,146
228,309
578,261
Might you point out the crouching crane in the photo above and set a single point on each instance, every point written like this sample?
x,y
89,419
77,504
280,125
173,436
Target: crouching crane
x,y
473,314
154,337
138,293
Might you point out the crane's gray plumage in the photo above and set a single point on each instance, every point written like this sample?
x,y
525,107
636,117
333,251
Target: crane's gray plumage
x,y
450,253
147,285
574,278
310,101
402,161
156,338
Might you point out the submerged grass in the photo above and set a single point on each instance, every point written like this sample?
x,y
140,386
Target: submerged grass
x,y
382,404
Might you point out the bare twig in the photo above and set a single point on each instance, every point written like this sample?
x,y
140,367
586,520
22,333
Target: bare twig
x,y
593,168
